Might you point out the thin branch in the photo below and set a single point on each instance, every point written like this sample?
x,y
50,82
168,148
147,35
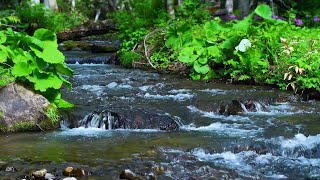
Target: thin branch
x,y
40,127
146,48
8,25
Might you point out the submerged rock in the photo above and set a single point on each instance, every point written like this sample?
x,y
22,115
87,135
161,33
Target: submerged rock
x,y
236,107
11,169
76,172
39,174
132,119
128,174
21,109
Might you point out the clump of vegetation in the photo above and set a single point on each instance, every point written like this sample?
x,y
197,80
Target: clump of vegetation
x,y
35,61
128,58
35,16
260,49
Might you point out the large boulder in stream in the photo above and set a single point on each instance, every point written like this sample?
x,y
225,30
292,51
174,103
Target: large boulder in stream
x,y
131,119
236,107
23,110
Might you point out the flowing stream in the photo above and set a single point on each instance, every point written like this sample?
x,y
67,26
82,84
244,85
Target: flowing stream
x,y
276,140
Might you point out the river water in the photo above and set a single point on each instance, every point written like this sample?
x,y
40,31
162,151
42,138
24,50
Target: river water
x,y
279,141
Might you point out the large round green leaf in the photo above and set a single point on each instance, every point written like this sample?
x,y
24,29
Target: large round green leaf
x,y
21,69
264,11
199,68
44,81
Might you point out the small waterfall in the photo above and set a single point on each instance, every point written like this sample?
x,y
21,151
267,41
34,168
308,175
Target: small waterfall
x,y
110,120
103,120
244,108
258,106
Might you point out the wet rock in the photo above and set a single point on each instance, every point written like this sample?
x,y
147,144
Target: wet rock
x,y
19,105
39,174
68,171
76,172
233,108
49,176
131,119
128,174
69,178
11,169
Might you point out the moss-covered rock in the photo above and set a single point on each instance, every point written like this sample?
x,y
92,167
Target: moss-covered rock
x,y
23,110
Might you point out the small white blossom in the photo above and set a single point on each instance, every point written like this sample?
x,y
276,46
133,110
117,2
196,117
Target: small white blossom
x,y
244,45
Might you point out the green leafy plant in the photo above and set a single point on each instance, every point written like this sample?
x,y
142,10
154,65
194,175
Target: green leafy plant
x,y
128,58
36,61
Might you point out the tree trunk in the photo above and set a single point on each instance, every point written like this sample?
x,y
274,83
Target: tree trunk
x,y
244,6
229,6
180,2
170,8
73,5
51,4
97,15
35,1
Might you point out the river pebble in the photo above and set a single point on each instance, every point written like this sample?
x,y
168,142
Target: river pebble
x,y
127,174
39,174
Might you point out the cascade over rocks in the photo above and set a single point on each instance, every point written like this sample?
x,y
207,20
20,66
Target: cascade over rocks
x,y
131,119
20,105
236,107
87,29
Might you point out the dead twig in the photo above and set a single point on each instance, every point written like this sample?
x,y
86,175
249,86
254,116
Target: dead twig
x,y
38,125
146,48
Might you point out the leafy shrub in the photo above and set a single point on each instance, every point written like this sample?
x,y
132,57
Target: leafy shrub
x,y
265,52
38,16
128,58
35,61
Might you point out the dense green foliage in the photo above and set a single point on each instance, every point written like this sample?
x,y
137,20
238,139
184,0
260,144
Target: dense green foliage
x,y
35,16
259,49
35,61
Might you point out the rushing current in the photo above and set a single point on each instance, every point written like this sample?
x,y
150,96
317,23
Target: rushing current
x,y
276,140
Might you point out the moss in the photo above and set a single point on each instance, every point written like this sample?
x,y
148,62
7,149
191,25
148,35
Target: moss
x,y
69,45
1,115
52,113
51,122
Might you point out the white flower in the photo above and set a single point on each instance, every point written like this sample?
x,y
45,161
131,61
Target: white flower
x,y
244,45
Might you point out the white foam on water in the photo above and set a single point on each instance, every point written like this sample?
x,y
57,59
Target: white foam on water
x,y
177,91
225,129
300,140
99,132
176,97
279,109
114,85
247,162
82,131
145,88
215,115
277,176
214,91
127,98
138,130
233,161
125,86
98,90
